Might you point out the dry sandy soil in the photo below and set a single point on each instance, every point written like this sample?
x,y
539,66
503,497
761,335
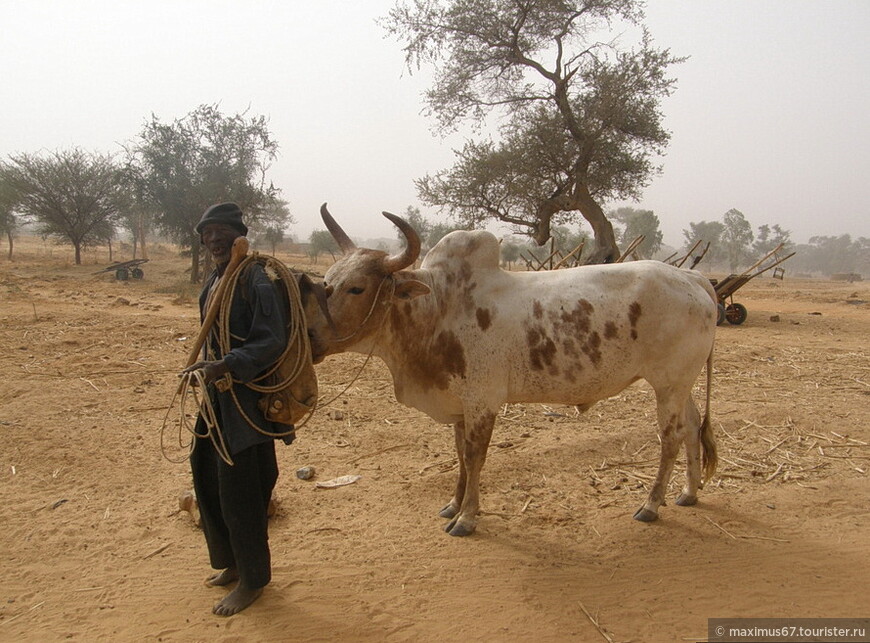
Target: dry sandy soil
x,y
94,548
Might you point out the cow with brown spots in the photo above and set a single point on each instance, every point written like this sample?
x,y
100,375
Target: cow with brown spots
x,y
462,337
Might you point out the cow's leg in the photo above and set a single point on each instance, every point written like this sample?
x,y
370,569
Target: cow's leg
x,y
452,508
689,495
672,425
478,431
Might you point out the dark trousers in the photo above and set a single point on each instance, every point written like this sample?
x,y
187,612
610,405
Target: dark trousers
x,y
233,503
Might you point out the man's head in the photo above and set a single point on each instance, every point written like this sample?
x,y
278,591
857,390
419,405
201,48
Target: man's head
x,y
219,227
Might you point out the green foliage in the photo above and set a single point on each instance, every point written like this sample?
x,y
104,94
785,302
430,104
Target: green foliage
x,y
736,238
826,255
637,223
430,232
769,238
72,195
204,158
270,227
8,220
732,240
321,241
510,251
580,119
706,232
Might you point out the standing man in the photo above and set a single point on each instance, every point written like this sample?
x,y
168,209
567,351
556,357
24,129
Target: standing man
x,y
233,498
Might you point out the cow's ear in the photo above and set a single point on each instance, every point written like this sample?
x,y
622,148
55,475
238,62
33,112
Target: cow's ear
x,y
410,288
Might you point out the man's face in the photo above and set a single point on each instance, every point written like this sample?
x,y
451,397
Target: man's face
x,y
218,239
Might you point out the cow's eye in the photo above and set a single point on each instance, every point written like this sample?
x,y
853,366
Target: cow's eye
x,y
356,290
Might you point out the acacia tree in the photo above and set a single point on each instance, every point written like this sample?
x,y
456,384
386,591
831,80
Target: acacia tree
x,y
196,161
581,120
73,195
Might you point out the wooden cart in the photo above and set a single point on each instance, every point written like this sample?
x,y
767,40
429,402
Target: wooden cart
x,y
125,269
732,311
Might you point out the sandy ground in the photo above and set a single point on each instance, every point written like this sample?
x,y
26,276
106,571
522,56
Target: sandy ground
x,y
93,547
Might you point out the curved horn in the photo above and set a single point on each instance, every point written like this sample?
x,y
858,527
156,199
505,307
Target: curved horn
x,y
409,255
335,230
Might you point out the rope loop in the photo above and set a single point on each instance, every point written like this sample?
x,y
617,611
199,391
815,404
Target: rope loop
x,y
297,353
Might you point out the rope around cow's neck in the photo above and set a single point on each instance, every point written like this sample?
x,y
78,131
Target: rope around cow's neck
x,y
297,330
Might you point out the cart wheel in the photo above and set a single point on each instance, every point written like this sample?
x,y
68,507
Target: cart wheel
x,y
736,314
122,274
720,314
137,273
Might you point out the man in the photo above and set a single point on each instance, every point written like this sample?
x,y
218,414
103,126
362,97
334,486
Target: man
x,y
233,498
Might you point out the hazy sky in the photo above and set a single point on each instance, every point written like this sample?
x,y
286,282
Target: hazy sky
x,y
770,115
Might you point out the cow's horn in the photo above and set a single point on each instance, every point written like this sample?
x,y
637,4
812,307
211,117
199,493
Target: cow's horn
x,y
409,255
335,230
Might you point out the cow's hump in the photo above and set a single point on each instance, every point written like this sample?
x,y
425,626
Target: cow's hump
x,y
478,248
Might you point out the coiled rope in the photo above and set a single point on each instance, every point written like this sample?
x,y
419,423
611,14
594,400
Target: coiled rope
x,y
297,339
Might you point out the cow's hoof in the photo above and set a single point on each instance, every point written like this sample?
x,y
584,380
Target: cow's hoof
x,y
685,500
449,511
456,528
645,515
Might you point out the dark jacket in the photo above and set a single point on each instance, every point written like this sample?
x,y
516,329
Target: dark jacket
x,y
258,325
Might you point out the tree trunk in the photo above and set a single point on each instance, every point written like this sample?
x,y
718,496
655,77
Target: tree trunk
x,y
140,233
110,251
605,250
78,248
194,259
9,236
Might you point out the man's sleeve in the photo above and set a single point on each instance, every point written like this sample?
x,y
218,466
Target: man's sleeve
x,y
267,337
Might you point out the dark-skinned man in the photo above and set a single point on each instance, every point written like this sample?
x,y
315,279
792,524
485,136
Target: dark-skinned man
x,y
233,498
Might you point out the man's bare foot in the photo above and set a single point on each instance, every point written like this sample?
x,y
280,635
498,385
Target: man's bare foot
x,y
236,600
225,577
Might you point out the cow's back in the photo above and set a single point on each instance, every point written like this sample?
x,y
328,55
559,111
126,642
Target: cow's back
x,y
579,335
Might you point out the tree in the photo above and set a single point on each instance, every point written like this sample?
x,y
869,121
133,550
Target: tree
x,y
736,237
417,221
272,224
637,223
580,120
321,241
8,221
769,238
706,232
827,255
73,195
201,159
510,251
430,232
138,220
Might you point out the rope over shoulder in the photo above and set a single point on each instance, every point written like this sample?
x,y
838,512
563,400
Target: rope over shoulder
x,y
277,402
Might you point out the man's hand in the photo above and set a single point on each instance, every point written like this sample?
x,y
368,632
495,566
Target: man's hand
x,y
211,371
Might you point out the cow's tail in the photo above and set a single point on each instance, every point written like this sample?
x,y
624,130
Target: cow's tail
x,y
709,458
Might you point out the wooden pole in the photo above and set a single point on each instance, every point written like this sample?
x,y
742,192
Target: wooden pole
x,y
237,255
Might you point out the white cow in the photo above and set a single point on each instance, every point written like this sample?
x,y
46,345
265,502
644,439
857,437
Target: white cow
x,y
461,337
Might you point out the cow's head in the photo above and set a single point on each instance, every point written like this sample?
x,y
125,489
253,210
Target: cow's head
x,y
360,287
